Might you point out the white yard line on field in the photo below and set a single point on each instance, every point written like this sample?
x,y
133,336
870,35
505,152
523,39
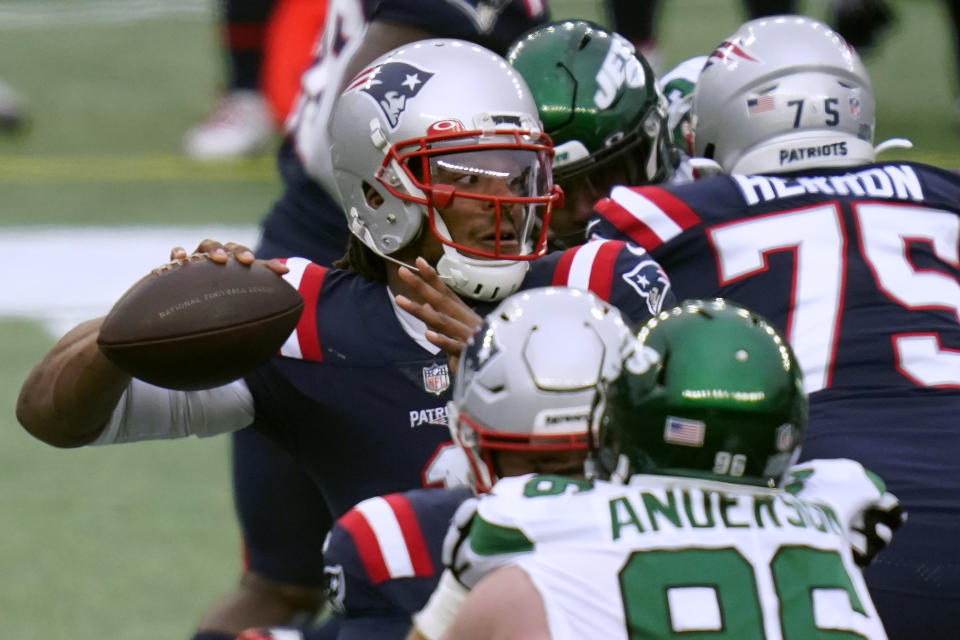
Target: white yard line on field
x,y
62,275
54,13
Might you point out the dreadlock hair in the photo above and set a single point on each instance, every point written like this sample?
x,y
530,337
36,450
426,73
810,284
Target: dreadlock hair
x,y
362,260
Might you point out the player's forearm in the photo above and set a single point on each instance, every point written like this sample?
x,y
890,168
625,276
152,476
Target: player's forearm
x,y
69,396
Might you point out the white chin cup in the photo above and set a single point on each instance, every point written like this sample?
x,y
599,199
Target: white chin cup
x,y
485,280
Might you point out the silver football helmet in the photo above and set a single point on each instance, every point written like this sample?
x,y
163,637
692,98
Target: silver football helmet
x,y
527,378
783,93
438,124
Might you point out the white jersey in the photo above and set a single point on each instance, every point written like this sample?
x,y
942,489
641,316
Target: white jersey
x,y
343,27
666,555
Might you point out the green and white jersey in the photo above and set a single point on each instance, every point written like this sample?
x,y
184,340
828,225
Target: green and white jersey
x,y
667,555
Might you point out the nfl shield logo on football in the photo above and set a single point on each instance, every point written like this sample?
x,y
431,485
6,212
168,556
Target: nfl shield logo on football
x,y
436,378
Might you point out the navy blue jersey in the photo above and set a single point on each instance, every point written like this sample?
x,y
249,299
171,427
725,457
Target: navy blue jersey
x,y
383,560
859,267
360,399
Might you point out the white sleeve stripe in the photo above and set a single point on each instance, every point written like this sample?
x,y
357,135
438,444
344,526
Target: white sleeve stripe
x,y
582,265
291,348
646,212
381,518
297,266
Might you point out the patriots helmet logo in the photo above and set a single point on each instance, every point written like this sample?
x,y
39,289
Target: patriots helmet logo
x,y
650,282
392,85
728,51
480,348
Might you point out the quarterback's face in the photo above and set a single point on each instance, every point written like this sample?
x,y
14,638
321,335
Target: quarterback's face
x,y
481,212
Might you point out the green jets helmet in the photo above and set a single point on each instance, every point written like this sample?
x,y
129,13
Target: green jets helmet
x,y
712,391
598,100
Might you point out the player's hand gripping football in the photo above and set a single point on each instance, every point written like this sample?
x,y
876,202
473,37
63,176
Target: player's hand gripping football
x,y
450,322
220,253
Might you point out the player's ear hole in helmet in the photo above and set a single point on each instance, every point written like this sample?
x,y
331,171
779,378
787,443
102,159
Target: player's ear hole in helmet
x,y
712,391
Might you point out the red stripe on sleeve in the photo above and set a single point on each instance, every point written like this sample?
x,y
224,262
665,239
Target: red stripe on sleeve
x,y
365,540
626,224
412,534
562,273
601,273
307,333
673,206
635,229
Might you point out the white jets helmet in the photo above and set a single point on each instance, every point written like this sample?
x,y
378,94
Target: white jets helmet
x,y
781,94
419,127
527,379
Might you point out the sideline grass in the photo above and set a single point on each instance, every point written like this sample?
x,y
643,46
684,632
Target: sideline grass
x,y
106,543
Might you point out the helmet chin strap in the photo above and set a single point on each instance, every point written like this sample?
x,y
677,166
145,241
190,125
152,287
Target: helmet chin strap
x,y
488,280
893,143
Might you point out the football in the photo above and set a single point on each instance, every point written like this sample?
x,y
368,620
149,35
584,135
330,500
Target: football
x,y
196,324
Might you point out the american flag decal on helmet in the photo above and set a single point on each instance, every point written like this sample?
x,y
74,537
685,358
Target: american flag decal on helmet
x,y
760,104
689,433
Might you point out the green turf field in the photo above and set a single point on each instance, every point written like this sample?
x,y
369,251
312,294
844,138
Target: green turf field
x,y
132,542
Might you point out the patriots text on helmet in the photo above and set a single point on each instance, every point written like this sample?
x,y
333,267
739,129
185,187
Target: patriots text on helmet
x,y
887,181
795,154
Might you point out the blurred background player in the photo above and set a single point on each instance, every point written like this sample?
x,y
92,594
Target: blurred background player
x,y
519,405
861,22
854,260
13,113
709,410
266,45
